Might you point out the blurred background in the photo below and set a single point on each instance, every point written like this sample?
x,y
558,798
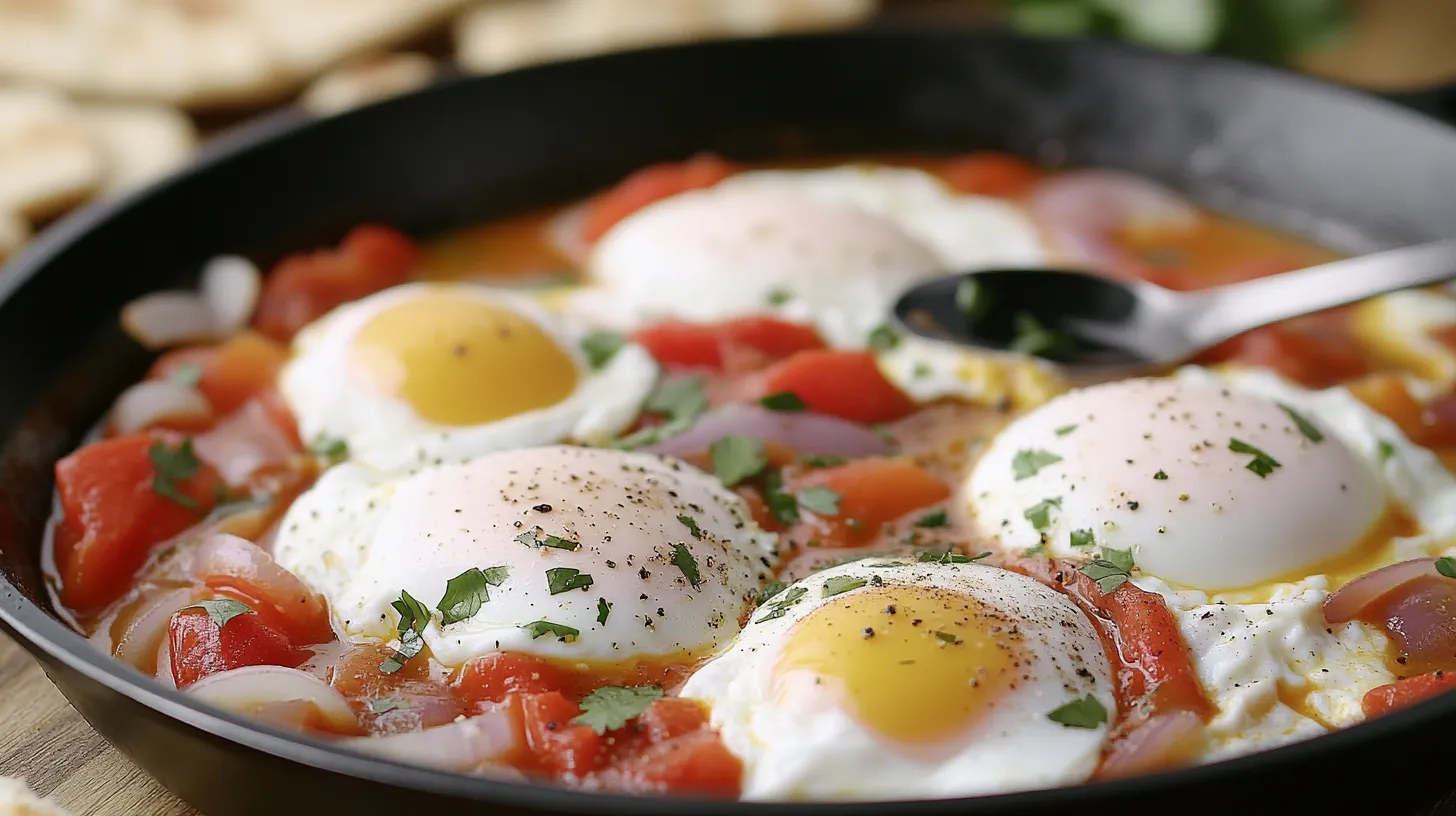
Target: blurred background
x,y
100,96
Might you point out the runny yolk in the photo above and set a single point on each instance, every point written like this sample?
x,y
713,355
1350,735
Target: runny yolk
x,y
916,664
458,360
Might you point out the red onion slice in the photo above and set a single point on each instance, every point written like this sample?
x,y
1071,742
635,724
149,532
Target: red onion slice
x,y
1164,740
251,690
164,319
152,402
460,746
805,432
231,286
1352,600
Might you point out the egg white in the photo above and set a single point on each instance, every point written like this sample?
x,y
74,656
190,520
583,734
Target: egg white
x,y
791,752
385,433
361,537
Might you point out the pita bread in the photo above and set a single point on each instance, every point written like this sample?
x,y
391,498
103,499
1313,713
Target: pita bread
x,y
14,232
16,799
504,34
48,160
138,143
369,80
199,52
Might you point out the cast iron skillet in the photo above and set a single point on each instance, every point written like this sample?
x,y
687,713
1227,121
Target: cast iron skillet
x,y
1357,172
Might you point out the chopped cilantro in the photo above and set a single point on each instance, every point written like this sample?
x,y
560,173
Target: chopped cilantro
x,y
413,618
838,584
222,610
1039,549
1305,426
821,460
944,555
170,466
1036,340
692,526
1161,476
601,346
783,401
1446,565
786,599
1262,464
1088,712
495,576
683,560
680,401
736,458
936,518
332,449
783,505
1065,429
464,595
921,370
1386,451
604,608
1083,538
1111,569
820,500
530,539
541,628
1026,463
971,300
386,704
769,590
778,297
883,431
946,637
565,579
612,707
1040,514
884,338
186,374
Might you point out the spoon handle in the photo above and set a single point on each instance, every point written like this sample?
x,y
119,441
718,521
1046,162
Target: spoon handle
x,y
1230,310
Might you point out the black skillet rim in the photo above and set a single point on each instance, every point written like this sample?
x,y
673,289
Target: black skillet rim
x,y
40,631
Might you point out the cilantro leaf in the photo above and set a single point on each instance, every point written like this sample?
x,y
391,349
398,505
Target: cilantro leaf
x,y
682,558
736,458
1386,450
1035,340
778,297
413,618
884,338
1305,427
838,584
692,526
554,542
604,608
172,465
937,518
770,589
385,704
1040,514
681,401
972,301
565,579
783,505
1065,429
541,628
612,707
464,595
222,610
1446,565
780,607
942,555
783,401
1026,463
946,637
1262,464
1110,570
601,346
1083,538
820,500
332,449
821,460
186,374
495,576
1087,712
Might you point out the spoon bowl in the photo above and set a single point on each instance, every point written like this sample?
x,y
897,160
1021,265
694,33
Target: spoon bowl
x,y
1099,328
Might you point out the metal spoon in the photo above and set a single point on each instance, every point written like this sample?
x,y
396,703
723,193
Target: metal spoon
x,y
1098,328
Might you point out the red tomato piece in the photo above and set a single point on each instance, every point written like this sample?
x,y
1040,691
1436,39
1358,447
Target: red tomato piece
x,y
990,174
649,185
239,370
1310,360
695,763
1406,691
357,674
492,678
303,287
845,384
114,516
243,571
558,746
872,493
735,346
672,717
201,648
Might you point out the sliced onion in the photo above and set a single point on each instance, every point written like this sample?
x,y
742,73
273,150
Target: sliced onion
x,y
230,287
804,432
565,234
164,319
459,746
1352,600
252,690
246,441
1081,209
1164,740
153,402
147,630
224,560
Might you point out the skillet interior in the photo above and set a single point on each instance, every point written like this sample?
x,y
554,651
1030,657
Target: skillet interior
x,y
1353,171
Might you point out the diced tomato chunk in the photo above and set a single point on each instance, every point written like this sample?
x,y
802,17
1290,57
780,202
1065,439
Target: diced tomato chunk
x,y
1430,426
558,746
990,174
114,514
492,678
845,384
734,346
1310,360
696,763
200,647
649,185
357,674
1406,691
305,286
872,492
239,370
672,717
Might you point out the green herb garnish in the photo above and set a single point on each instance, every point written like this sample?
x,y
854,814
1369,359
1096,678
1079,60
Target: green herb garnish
x,y
186,374
612,707
386,704
604,608
1026,463
541,628
821,460
946,637
884,338
778,297
680,402
1446,565
464,595
1305,427
332,449
601,346
1111,569
1087,712
971,300
222,610
783,505
736,458
170,466
780,607
1065,429
531,539
838,584
692,526
820,500
413,618
1040,514
1036,340
565,579
682,558
769,590
1386,450
1083,538
937,518
783,401
1262,464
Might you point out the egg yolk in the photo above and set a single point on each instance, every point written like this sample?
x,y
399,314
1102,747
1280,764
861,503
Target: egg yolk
x,y
459,360
916,664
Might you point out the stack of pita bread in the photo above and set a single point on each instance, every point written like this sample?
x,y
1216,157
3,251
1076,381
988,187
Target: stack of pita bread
x,y
92,92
